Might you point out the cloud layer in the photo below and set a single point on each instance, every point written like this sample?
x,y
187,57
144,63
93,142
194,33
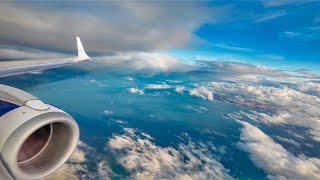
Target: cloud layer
x,y
290,106
241,71
274,159
142,159
146,62
110,27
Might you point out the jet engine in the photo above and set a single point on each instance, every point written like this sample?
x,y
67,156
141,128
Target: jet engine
x,y
35,138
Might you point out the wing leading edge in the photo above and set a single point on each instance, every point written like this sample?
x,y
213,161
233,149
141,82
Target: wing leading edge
x,y
14,70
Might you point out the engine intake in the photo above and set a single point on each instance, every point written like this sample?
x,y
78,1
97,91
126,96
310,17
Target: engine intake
x,y
35,138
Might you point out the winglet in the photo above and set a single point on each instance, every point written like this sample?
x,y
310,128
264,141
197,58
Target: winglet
x,y
82,56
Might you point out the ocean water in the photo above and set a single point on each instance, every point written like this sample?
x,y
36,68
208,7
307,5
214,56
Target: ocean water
x,y
99,99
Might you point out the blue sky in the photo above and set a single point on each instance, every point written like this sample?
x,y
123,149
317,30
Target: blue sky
x,y
286,36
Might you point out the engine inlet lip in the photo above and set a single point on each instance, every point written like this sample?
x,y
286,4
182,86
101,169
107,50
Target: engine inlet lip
x,y
42,149
22,126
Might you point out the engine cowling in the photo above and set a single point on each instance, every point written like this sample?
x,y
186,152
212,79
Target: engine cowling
x,y
35,138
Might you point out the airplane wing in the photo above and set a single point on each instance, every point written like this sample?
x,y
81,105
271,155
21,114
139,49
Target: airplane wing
x,y
24,66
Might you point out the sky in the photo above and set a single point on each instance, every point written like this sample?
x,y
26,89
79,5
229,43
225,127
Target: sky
x,y
279,34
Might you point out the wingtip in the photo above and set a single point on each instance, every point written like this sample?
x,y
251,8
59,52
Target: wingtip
x,y
82,55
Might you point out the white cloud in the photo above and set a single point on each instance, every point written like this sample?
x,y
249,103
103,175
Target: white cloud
x,y
146,135
278,118
66,172
307,74
78,156
291,33
158,86
142,61
173,81
315,132
237,71
145,160
108,112
104,170
136,91
129,78
306,33
274,159
75,164
312,88
78,166
202,92
119,121
203,108
179,89
277,3
232,48
289,141
270,16
290,106
194,109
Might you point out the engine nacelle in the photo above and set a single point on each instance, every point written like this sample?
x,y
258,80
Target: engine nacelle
x,y
35,138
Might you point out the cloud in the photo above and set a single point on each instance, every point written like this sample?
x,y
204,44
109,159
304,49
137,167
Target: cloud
x,y
202,92
307,74
291,34
150,62
75,164
308,87
157,63
79,166
119,121
240,71
277,3
111,27
232,48
289,141
308,33
129,79
274,159
179,89
158,86
270,16
107,112
66,172
173,81
136,91
27,53
289,106
104,170
143,159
